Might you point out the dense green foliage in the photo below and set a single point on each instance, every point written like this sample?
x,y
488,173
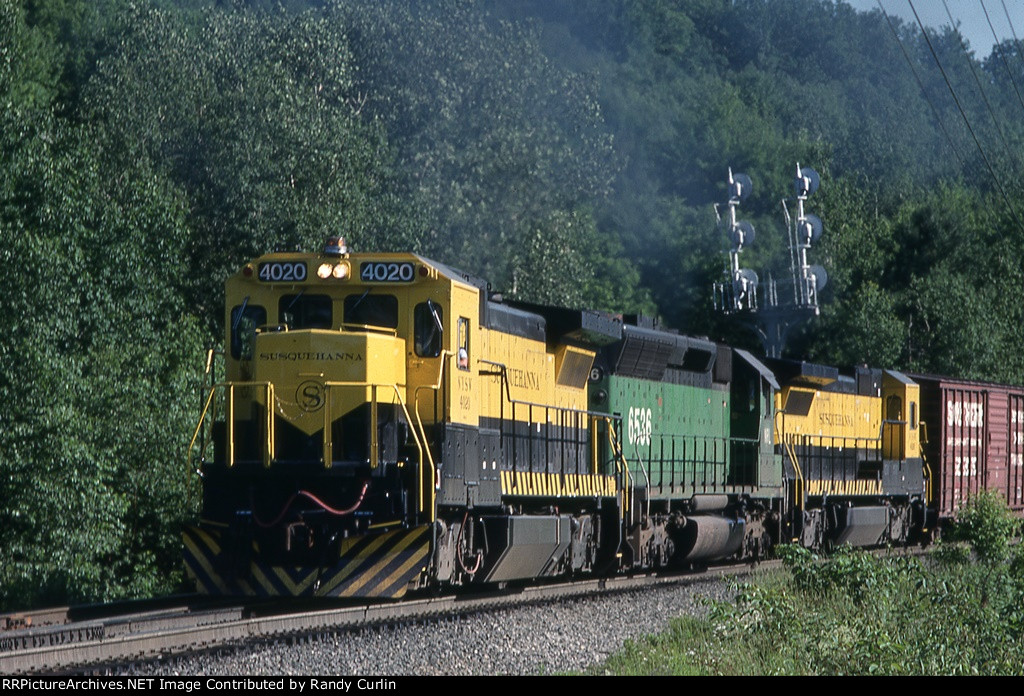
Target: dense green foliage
x,y
568,151
859,614
690,89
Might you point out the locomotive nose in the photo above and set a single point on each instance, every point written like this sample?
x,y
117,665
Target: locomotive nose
x,y
320,375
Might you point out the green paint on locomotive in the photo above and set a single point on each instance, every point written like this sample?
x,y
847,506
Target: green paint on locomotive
x,y
674,437
682,440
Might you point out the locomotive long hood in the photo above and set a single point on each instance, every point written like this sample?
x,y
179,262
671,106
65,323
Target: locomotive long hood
x,y
314,369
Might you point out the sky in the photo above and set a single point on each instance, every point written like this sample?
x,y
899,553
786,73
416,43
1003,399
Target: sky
x,y
970,13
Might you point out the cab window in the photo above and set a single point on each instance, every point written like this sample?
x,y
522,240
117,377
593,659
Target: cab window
x,y
429,329
463,354
372,310
304,311
894,408
244,320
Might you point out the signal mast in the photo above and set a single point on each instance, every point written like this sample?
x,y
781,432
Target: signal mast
x,y
758,305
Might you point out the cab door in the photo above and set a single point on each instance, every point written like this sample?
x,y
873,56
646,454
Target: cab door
x,y
901,398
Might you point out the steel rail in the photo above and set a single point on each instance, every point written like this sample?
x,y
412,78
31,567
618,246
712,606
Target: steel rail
x,y
85,646
135,638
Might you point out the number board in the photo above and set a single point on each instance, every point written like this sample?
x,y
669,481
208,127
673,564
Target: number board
x,y
282,272
380,272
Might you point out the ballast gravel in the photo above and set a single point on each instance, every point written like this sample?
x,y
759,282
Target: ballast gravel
x,y
570,635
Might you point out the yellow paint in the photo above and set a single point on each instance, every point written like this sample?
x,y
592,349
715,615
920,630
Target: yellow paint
x,y
199,554
839,419
349,567
857,487
417,557
373,355
901,437
526,483
816,418
377,567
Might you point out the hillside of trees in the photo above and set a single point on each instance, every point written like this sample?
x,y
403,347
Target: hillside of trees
x,y
149,147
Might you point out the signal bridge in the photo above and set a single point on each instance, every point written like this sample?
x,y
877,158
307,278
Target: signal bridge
x,y
771,314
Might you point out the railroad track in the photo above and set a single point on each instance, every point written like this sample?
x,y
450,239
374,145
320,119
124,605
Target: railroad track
x,y
99,637
93,644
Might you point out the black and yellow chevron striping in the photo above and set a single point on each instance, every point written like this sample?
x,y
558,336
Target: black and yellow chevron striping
x,y
556,485
373,565
856,487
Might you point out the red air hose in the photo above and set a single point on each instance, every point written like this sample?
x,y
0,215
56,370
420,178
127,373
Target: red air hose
x,y
458,554
310,496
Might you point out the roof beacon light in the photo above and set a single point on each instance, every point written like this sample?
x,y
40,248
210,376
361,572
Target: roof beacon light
x,y
335,245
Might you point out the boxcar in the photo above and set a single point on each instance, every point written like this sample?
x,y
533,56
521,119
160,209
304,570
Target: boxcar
x,y
974,440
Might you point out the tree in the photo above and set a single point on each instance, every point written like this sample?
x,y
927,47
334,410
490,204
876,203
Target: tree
x,y
496,144
93,339
255,118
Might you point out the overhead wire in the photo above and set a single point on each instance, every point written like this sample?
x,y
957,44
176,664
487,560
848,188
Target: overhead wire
x,y
967,122
1013,32
920,84
977,81
999,48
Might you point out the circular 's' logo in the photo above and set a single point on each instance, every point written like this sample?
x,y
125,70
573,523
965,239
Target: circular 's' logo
x,y
310,395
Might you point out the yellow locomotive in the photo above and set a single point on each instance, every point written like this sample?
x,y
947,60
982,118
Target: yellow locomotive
x,y
852,450
379,420
383,422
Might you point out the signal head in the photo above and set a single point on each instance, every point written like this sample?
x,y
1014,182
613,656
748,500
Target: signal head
x,y
806,182
740,186
819,275
740,234
810,229
748,279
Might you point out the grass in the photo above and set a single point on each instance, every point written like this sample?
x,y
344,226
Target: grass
x,y
959,610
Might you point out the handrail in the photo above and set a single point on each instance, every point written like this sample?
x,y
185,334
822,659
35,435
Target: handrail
x,y
799,492
930,482
692,460
929,491
620,464
421,444
199,426
268,454
370,327
516,402
594,416
269,448
444,355
270,444
647,477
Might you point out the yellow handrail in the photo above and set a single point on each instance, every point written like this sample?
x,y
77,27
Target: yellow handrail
x,y
436,386
199,426
929,490
620,465
270,443
799,474
421,444
269,449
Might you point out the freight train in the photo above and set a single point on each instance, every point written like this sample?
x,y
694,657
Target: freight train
x,y
382,422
